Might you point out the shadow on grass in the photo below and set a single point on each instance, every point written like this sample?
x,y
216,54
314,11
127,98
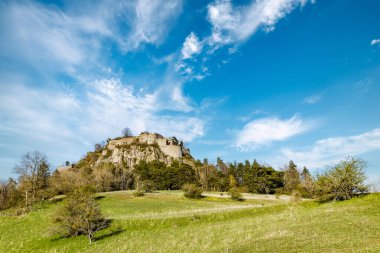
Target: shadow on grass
x,y
99,197
113,232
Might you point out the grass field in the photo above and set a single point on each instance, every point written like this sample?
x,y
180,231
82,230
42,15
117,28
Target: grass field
x,y
167,222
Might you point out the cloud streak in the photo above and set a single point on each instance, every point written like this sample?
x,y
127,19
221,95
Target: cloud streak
x,y
333,149
375,42
271,129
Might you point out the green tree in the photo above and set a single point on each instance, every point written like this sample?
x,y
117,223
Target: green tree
x,y
80,215
291,177
343,180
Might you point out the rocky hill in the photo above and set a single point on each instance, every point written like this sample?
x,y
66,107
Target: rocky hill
x,y
128,151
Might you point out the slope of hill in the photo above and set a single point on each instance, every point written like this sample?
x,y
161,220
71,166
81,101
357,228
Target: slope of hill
x,y
167,222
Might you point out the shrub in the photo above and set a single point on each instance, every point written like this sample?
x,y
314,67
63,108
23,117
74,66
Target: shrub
x,y
343,181
138,193
235,194
192,191
296,196
80,215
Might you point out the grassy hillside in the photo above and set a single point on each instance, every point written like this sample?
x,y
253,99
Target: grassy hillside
x,y
167,222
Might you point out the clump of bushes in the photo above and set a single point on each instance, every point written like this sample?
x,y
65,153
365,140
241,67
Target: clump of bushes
x,y
235,194
192,191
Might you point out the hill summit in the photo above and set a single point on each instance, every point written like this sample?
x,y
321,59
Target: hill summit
x,y
129,151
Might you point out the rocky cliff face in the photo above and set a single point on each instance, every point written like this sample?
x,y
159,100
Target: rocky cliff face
x,y
129,151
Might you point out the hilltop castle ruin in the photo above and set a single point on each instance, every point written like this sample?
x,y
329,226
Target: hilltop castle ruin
x,y
169,146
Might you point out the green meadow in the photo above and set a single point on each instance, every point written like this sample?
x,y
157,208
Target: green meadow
x,y
165,221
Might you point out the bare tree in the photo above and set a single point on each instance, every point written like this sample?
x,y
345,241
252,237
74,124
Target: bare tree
x,y
33,171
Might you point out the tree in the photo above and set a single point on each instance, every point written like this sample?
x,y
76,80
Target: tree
x,y
33,171
9,194
67,163
307,186
98,146
126,132
343,180
80,215
291,177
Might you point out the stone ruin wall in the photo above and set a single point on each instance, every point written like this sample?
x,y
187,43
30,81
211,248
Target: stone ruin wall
x,y
170,147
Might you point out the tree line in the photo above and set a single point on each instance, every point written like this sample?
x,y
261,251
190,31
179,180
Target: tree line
x,y
36,183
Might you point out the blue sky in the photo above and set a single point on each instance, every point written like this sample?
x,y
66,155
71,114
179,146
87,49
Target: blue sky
x,y
268,79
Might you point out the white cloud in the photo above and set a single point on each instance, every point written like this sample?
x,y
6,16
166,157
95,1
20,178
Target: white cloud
x,y
191,46
266,130
374,42
312,99
63,40
152,21
65,126
232,24
333,149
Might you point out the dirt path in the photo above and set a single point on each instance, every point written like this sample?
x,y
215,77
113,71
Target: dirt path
x,y
186,213
251,196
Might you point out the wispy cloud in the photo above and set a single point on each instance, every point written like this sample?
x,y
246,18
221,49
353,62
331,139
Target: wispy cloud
x,y
326,151
271,129
66,39
232,25
375,42
312,99
62,122
152,21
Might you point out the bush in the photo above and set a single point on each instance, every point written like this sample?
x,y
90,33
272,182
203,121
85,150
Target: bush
x,y
235,194
296,196
138,193
192,191
343,181
80,215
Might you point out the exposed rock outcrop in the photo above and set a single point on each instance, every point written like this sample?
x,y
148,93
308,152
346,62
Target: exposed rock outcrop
x,y
128,151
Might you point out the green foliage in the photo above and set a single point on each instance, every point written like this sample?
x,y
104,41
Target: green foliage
x,y
9,194
148,186
291,177
165,177
235,194
343,180
260,178
80,215
192,191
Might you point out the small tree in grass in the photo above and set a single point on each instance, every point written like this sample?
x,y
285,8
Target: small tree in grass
x,y
235,193
192,191
343,180
80,215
